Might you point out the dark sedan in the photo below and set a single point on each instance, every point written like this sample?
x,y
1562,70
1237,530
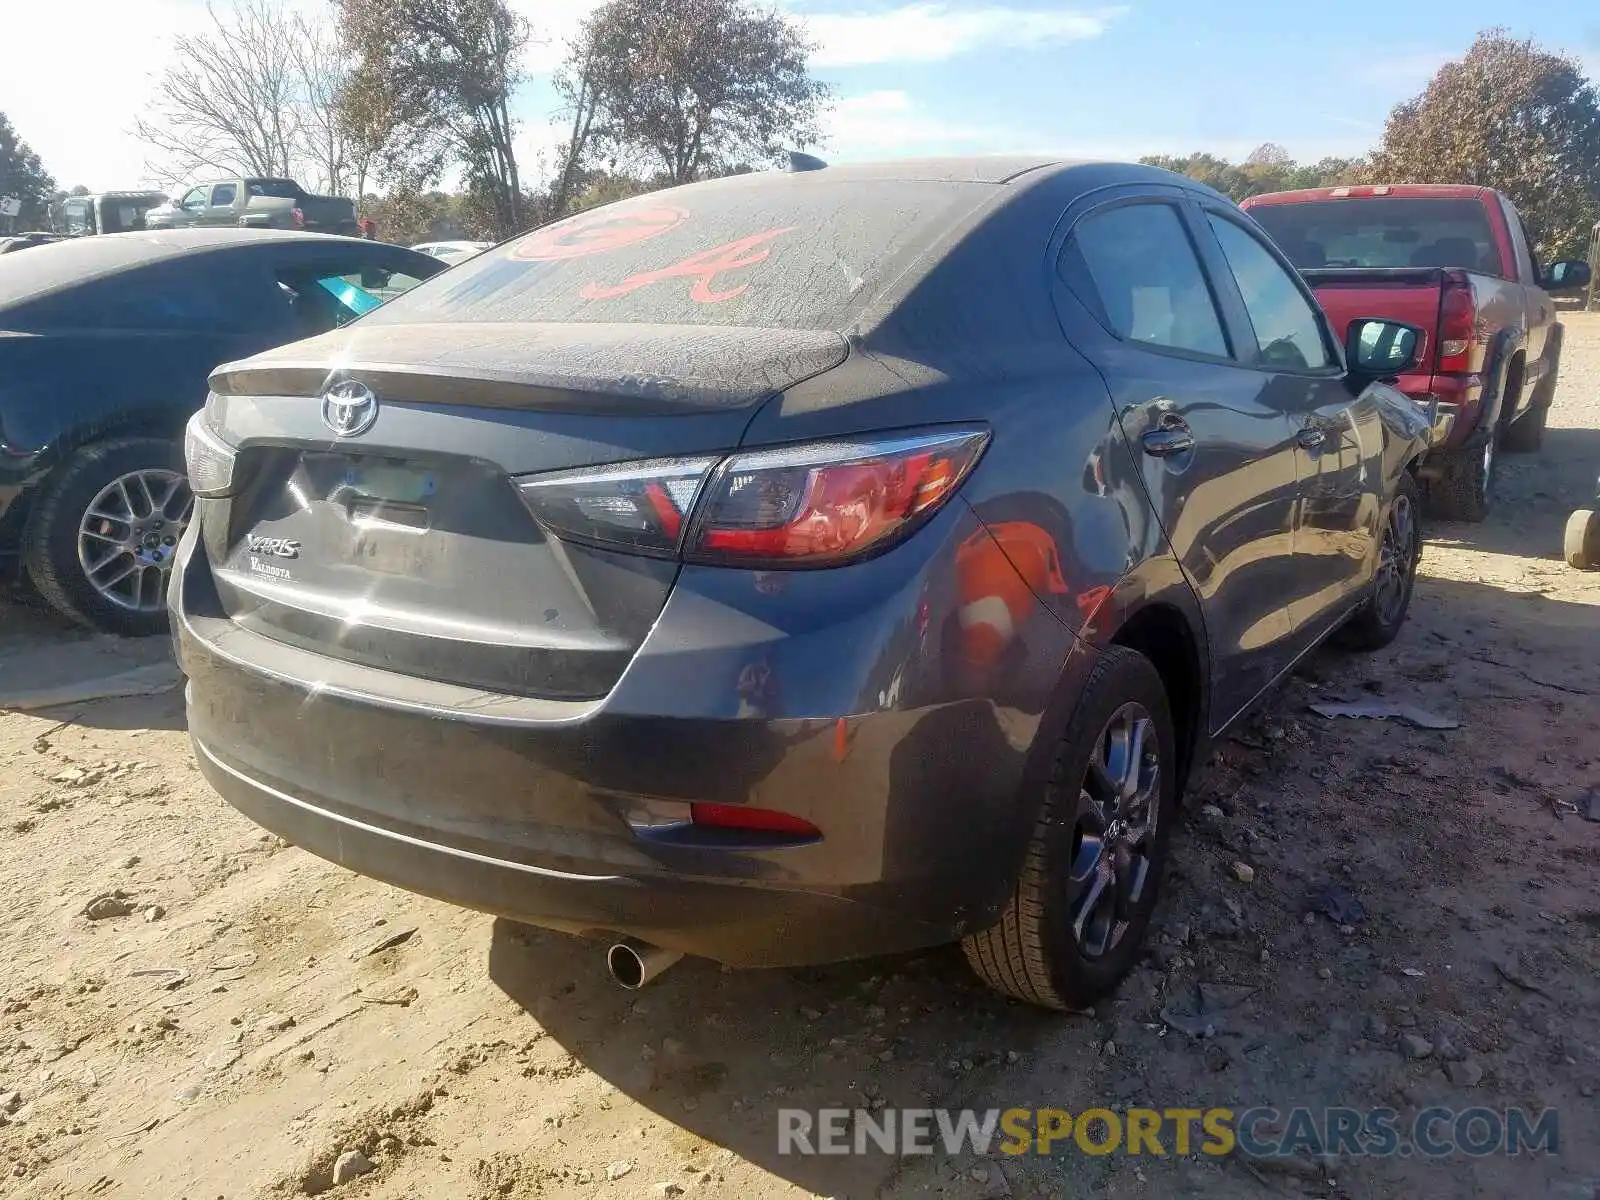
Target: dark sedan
x,y
796,566
105,345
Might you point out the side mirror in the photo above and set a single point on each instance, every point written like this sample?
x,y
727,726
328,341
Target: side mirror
x,y
1569,275
1382,349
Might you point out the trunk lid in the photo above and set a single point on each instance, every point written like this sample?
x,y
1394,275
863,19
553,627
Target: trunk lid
x,y
407,546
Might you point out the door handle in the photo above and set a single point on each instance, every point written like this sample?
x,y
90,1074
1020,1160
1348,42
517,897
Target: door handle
x,y
1173,437
1310,437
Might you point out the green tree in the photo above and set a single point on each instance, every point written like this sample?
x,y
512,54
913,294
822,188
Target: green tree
x,y
1268,169
690,87
1513,117
430,88
23,176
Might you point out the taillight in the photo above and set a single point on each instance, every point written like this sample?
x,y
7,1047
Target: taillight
x,y
811,505
640,506
1458,324
754,820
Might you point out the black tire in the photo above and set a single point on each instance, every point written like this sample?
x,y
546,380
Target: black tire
x,y
1378,622
1463,490
1034,952
1525,434
1581,546
51,542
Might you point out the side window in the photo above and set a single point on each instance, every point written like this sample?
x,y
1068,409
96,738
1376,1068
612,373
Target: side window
x,y
384,285
1148,279
193,200
325,298
1288,334
222,195
1521,246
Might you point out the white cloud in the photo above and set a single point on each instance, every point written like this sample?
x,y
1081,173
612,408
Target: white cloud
x,y
932,32
891,124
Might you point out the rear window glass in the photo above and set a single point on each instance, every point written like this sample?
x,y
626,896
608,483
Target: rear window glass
x,y
283,189
788,254
1383,231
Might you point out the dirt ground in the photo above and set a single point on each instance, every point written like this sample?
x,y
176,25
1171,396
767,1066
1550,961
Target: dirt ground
x,y
255,1012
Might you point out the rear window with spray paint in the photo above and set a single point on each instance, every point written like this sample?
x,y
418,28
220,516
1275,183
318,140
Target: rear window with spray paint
x,y
784,253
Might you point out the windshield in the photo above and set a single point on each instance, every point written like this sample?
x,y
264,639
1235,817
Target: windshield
x,y
1383,231
755,251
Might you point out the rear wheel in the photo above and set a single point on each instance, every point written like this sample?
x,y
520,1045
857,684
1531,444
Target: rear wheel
x,y
1378,621
101,539
1582,541
1088,885
1463,490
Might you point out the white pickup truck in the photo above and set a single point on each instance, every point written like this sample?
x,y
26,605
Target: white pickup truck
x,y
255,204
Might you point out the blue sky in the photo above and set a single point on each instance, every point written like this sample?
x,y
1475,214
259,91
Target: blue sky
x,y
1117,80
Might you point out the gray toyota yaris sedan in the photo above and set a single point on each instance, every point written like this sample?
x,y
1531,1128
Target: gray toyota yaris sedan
x,y
796,566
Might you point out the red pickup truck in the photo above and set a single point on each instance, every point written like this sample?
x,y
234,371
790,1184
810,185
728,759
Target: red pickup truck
x,y
1457,262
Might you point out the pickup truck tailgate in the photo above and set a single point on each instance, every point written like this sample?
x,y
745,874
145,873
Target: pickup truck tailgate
x,y
1412,296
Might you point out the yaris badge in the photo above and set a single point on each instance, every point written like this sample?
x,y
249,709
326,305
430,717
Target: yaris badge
x,y
349,408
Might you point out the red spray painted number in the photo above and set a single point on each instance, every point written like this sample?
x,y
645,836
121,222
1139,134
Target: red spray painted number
x,y
582,236
703,268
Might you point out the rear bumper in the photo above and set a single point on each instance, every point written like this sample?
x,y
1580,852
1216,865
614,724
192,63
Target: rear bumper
x,y
575,815
1455,404
743,926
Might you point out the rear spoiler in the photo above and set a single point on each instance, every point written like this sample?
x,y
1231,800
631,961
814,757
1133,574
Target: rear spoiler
x,y
1414,275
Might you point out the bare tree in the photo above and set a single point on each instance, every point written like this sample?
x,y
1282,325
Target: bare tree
x,y
324,143
229,98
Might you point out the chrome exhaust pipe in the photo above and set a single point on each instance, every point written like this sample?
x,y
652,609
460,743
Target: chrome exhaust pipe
x,y
634,964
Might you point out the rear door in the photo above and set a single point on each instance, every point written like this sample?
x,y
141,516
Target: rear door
x,y
223,209
1338,437
1217,455
1539,308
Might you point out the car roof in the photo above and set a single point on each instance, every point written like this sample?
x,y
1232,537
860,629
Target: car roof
x,y
1366,191
78,260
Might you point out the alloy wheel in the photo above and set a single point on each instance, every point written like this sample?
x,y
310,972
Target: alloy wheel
x,y
129,534
1114,835
1396,559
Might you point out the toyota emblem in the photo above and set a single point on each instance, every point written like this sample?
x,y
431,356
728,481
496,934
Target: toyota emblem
x,y
349,408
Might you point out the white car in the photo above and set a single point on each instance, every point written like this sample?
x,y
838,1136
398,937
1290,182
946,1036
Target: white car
x,y
452,252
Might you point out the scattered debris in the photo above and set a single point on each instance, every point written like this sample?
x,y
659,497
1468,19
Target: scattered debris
x,y
1243,872
400,997
619,1169
1591,805
388,942
1339,904
101,908
1514,971
1413,973
1466,1073
352,1164
1383,710
171,978
1415,1046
